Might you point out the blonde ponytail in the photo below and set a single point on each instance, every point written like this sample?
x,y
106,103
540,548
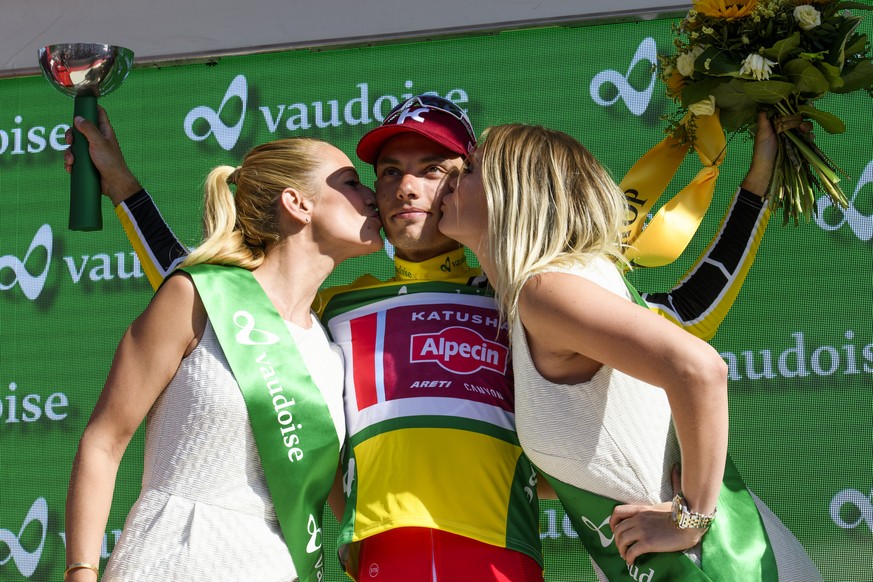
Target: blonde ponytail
x,y
238,228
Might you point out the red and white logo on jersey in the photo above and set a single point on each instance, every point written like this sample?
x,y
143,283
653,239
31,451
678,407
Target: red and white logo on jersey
x,y
458,349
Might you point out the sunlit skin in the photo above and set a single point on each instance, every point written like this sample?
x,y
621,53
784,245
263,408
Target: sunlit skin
x,y
340,204
315,232
412,175
574,328
465,209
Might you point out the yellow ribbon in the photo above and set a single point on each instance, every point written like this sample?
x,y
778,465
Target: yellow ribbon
x,y
671,229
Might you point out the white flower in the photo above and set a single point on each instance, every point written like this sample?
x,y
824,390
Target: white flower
x,y
685,61
807,17
758,66
703,108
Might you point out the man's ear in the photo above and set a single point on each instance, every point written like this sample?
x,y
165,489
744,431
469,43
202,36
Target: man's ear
x,y
298,206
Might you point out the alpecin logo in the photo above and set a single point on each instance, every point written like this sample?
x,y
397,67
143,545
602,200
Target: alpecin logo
x,y
460,350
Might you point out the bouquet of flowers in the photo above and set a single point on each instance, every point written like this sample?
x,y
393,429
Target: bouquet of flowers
x,y
735,57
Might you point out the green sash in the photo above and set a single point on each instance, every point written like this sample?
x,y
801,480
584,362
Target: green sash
x,y
736,547
292,425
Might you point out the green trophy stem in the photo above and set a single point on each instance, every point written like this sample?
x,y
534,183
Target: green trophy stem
x,y
84,179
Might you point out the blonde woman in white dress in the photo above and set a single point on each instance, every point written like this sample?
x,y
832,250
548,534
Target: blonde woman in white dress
x,y
209,509
607,391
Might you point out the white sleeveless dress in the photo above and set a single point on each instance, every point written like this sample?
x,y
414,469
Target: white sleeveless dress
x,y
204,512
613,435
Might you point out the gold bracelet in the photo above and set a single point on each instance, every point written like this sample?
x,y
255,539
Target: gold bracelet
x,y
81,566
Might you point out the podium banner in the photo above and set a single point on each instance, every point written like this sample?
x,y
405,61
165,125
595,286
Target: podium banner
x,y
798,341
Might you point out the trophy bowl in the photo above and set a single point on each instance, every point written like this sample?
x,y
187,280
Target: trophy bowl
x,y
85,71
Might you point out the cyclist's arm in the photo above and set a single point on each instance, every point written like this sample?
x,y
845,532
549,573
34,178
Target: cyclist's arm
x,y
703,297
157,247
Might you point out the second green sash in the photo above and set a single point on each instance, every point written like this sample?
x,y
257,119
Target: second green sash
x,y
736,547
291,423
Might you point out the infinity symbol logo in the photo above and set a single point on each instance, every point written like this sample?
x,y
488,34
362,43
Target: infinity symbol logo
x,y
246,323
314,543
636,101
861,225
531,484
226,136
604,540
30,285
861,502
25,561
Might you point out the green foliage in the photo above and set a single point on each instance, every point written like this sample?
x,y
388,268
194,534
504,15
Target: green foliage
x,y
716,62
808,80
856,77
769,92
783,49
778,56
828,121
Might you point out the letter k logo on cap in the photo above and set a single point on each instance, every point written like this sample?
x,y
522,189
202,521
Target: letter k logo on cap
x,y
414,114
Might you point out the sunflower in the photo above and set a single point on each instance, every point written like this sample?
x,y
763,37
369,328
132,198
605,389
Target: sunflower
x,y
675,83
727,9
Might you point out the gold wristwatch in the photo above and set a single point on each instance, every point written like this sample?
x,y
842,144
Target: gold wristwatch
x,y
684,518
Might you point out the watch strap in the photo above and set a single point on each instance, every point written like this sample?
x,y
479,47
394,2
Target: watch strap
x,y
684,518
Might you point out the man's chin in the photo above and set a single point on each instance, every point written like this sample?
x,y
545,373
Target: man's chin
x,y
422,249
406,238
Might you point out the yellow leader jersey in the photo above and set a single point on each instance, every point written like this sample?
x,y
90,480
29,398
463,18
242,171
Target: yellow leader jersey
x,y
430,409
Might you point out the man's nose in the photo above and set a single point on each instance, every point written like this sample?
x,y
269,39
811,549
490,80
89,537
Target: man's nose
x,y
408,187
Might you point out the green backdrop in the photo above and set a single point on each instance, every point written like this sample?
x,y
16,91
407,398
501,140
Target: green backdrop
x,y
799,341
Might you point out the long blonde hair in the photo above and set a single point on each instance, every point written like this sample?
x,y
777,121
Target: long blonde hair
x,y
550,204
238,228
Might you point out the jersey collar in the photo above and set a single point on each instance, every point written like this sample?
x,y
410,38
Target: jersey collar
x,y
446,267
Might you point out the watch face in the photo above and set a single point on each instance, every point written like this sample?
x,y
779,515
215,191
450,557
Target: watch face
x,y
676,510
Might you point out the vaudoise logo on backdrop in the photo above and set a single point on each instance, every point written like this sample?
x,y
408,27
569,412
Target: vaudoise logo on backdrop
x,y
26,558
26,268
203,121
29,271
799,360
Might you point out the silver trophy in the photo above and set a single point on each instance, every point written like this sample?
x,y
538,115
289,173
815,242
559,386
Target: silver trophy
x,y
85,72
